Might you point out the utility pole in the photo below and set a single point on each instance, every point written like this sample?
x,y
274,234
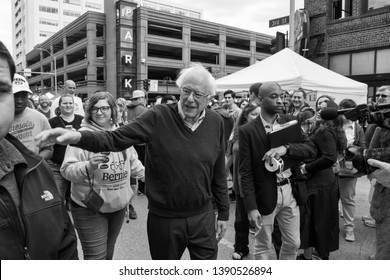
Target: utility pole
x,y
55,67
291,40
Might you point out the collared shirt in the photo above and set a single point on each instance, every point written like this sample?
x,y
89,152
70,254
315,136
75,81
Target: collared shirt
x,y
195,125
268,128
349,128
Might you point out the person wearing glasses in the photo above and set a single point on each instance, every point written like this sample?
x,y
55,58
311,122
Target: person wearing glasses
x,y
185,164
109,176
382,96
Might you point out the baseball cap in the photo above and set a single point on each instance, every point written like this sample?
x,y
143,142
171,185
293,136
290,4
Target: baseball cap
x,y
20,84
137,94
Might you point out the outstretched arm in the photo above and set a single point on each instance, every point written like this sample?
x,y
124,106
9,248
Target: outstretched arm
x,y
57,135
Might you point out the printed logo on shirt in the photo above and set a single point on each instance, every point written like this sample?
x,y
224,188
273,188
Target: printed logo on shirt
x,y
114,177
22,130
47,196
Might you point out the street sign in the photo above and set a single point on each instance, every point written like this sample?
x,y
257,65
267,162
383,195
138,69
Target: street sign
x,y
279,21
27,72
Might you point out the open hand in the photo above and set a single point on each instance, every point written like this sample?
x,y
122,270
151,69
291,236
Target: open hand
x,y
57,136
382,174
221,229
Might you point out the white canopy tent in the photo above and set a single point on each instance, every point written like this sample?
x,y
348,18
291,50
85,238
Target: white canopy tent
x,y
292,71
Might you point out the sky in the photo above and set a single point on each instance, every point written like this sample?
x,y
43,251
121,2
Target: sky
x,y
252,15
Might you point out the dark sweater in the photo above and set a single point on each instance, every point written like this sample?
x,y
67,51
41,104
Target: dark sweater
x,y
185,169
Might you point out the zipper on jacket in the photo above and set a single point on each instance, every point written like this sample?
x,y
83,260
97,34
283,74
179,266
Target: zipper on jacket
x,y
16,225
25,249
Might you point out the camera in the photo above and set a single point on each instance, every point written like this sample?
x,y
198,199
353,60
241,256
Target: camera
x,y
359,159
374,113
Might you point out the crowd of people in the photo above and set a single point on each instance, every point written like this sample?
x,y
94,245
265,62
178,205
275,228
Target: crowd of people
x,y
89,159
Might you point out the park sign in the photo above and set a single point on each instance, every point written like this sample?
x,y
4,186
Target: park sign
x,y
279,21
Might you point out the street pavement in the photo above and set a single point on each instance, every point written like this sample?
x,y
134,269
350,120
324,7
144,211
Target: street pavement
x,y
132,243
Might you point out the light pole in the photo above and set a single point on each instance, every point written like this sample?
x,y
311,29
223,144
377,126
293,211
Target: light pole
x,y
55,67
167,81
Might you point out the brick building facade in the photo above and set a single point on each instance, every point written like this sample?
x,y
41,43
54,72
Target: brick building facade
x,y
352,37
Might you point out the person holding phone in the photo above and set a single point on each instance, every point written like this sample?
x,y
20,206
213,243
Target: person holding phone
x,y
107,174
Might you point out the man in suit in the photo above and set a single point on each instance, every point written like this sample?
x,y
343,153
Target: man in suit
x,y
269,195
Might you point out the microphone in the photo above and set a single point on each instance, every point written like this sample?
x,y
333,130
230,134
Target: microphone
x,y
328,114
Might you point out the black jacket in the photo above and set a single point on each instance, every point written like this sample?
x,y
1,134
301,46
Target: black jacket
x,y
49,231
258,184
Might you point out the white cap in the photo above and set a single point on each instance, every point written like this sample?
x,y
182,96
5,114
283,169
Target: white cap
x,y
20,84
137,94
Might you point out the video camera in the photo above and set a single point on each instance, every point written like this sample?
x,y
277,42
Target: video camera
x,y
374,113
378,114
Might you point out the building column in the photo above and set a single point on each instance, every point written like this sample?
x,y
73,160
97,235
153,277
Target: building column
x,y
186,52
65,58
91,55
222,51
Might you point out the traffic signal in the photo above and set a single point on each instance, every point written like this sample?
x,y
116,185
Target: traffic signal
x,y
278,43
146,84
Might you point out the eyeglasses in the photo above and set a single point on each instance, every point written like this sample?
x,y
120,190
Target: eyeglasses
x,y
103,109
197,94
382,95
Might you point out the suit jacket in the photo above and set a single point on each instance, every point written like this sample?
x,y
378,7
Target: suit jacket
x,y
258,184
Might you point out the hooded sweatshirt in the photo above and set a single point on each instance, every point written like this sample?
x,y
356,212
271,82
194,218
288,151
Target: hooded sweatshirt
x,y
134,109
111,180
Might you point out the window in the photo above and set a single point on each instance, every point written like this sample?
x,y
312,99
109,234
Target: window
x,y
99,52
100,73
45,33
341,8
50,22
48,9
375,4
93,5
383,61
340,63
71,13
73,2
363,63
18,23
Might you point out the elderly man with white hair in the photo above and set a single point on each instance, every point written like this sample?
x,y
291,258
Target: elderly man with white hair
x,y
185,167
